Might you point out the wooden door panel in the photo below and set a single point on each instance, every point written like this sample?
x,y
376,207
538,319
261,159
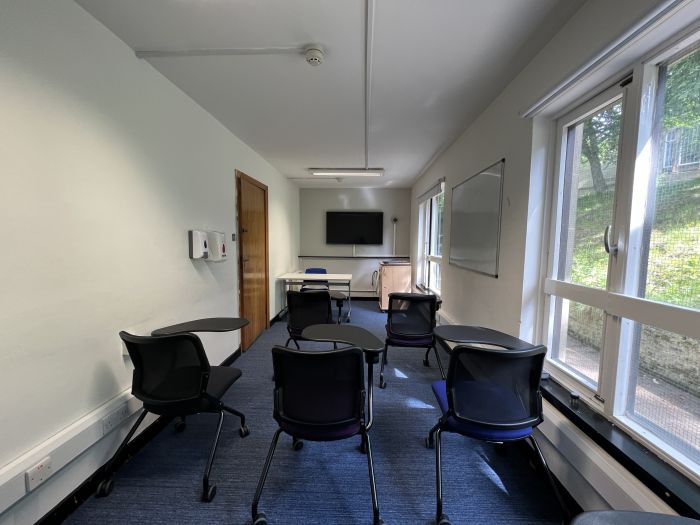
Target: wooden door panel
x,y
253,257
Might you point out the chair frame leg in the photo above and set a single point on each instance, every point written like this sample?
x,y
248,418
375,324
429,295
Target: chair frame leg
x,y
437,356
370,468
552,483
438,474
263,474
239,415
381,368
212,453
110,464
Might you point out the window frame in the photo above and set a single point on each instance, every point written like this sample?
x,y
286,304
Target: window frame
x,y
426,233
619,303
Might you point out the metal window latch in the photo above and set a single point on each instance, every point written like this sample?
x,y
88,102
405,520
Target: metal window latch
x,y
599,398
609,248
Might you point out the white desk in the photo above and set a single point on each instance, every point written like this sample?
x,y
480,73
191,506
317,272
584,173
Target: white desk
x,y
343,280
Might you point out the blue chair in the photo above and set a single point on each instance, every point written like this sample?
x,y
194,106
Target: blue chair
x,y
318,396
491,395
410,323
338,297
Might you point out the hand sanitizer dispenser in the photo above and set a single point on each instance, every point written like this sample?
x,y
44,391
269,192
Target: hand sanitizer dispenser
x,y
217,246
199,244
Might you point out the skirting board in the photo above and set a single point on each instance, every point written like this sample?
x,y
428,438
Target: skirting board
x,y
63,448
594,479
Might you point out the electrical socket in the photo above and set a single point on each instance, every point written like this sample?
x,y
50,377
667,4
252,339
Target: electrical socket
x,y
39,473
115,418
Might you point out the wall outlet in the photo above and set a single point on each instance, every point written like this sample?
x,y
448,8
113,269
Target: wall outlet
x,y
39,473
114,418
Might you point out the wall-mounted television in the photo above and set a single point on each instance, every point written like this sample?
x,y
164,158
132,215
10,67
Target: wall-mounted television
x,y
354,227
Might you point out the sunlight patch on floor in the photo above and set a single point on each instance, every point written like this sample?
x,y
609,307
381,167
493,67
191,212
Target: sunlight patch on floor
x,y
398,373
412,402
486,469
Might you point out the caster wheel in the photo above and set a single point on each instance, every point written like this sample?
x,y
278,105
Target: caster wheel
x,y
180,425
209,493
105,487
260,519
429,443
382,383
426,362
297,445
444,520
243,431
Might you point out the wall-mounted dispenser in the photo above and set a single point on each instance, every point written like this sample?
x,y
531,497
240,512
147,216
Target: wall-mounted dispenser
x,y
199,244
217,246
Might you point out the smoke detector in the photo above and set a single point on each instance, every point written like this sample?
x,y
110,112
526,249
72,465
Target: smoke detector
x,y
314,55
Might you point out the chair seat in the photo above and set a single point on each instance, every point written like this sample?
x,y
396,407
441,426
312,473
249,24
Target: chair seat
x,y
490,401
321,433
338,296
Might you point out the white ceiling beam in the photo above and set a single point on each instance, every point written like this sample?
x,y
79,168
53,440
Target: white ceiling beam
x,y
162,53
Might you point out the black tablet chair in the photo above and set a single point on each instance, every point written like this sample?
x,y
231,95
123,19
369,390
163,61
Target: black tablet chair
x,y
305,309
410,322
338,297
318,396
173,378
492,395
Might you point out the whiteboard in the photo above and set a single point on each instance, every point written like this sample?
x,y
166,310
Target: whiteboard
x,y
475,228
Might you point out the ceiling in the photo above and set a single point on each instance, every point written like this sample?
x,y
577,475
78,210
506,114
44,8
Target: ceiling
x,y
433,66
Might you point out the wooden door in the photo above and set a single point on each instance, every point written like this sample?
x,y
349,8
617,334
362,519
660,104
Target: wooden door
x,y
252,256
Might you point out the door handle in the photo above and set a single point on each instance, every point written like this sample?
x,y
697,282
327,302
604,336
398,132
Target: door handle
x,y
609,248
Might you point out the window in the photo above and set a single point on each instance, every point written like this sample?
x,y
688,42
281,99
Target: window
x,y
430,212
623,286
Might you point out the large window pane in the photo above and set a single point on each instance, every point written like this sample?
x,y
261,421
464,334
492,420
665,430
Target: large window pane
x,y
589,190
435,278
437,205
665,387
670,262
578,338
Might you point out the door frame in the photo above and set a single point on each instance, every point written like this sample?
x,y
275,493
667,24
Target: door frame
x,y
239,177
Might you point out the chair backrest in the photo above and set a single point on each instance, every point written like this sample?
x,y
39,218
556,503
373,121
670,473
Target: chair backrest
x,y
318,388
496,387
168,369
307,308
309,285
411,314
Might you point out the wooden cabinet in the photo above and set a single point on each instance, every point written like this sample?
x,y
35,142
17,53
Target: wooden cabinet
x,y
393,277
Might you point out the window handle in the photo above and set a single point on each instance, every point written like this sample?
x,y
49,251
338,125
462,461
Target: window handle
x,y
609,248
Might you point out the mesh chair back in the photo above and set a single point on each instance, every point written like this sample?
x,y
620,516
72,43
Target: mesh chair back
x,y
167,369
411,314
307,308
496,387
318,388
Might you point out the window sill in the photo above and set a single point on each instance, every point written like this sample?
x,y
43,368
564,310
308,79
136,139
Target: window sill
x,y
678,491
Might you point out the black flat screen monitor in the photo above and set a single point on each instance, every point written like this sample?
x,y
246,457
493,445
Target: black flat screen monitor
x,y
354,227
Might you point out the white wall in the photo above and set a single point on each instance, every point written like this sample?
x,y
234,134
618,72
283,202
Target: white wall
x,y
105,166
314,205
510,302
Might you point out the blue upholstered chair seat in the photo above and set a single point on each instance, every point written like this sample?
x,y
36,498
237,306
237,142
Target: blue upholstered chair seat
x,y
489,401
322,433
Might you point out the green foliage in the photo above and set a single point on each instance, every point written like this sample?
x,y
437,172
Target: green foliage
x,y
682,97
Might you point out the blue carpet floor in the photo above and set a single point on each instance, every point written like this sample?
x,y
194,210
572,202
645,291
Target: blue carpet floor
x,y
326,482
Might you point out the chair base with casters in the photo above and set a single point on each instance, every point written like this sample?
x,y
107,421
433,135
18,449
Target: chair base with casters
x,y
427,343
493,396
318,396
104,488
183,384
